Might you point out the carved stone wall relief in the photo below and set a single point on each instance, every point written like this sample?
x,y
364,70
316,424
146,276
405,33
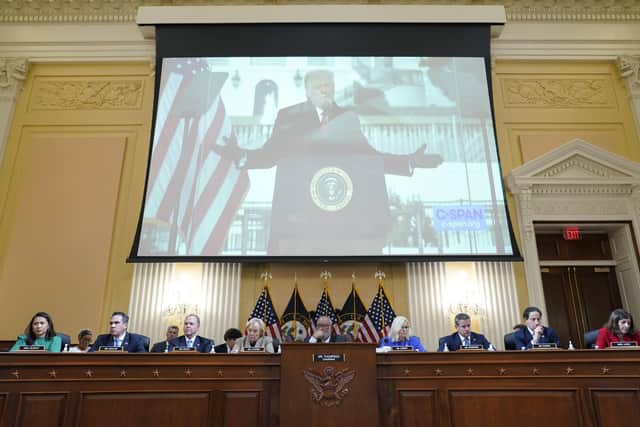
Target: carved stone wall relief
x,y
87,95
558,93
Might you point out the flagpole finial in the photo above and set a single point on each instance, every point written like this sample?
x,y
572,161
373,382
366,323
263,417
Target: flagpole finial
x,y
325,275
266,276
380,276
353,277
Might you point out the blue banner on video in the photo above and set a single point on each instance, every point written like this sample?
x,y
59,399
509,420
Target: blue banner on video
x,y
459,218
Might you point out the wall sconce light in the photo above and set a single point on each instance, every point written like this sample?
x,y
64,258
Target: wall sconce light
x,y
235,79
297,78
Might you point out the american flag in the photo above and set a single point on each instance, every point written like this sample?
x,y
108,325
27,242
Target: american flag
x,y
190,188
325,308
378,320
264,310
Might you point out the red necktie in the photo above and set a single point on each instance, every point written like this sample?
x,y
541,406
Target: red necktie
x,y
324,118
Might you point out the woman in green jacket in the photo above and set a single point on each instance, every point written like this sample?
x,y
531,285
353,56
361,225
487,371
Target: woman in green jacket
x,y
39,331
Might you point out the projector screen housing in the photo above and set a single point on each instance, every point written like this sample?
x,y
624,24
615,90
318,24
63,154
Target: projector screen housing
x,y
405,169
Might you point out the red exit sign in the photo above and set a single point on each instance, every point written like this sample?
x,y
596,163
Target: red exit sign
x,y
571,233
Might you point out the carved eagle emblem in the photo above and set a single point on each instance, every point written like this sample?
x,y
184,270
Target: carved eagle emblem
x,y
329,386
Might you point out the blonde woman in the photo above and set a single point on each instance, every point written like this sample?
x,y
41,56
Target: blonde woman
x,y
255,338
400,335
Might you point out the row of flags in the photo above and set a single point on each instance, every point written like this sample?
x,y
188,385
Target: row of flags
x,y
296,322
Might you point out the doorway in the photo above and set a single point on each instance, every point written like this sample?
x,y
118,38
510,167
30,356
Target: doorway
x,y
579,299
579,282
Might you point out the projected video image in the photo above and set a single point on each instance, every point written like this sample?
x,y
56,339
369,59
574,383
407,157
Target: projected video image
x,y
324,156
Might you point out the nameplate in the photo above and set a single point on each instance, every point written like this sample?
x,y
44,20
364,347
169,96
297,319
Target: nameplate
x,y
184,349
110,348
472,347
624,344
544,345
324,357
254,349
402,348
31,348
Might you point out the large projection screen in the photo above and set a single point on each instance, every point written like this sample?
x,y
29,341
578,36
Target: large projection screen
x,y
366,142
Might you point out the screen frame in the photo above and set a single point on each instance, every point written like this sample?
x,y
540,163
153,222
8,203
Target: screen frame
x,y
322,39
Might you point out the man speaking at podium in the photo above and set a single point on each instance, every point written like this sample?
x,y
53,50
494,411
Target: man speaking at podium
x,y
328,177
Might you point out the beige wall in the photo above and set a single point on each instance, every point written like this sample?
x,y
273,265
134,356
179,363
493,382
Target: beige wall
x,y
543,104
72,178
70,190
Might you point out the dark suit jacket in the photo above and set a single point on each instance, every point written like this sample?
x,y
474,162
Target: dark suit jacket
x,y
201,344
221,348
132,343
523,338
301,148
453,341
159,347
334,338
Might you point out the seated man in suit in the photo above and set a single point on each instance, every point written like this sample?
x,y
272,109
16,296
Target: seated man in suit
x,y
463,337
230,337
118,336
534,332
324,332
191,339
163,346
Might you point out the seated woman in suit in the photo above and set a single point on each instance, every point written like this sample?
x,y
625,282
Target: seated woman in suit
x,y
254,339
619,328
39,331
400,335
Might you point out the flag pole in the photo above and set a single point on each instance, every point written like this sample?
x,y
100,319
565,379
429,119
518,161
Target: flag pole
x,y
380,276
295,306
266,276
353,297
326,275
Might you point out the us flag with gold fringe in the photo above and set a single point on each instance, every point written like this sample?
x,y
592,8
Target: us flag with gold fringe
x,y
377,321
265,310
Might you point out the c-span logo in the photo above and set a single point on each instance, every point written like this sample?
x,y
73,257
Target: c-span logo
x,y
331,189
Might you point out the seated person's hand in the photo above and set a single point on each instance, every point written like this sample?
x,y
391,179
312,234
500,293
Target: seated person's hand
x,y
319,334
421,159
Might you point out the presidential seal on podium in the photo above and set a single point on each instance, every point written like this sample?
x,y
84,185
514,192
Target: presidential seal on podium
x,y
331,189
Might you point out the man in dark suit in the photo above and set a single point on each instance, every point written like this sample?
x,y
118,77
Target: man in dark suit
x,y
191,339
118,336
534,332
163,346
324,332
327,176
230,337
463,337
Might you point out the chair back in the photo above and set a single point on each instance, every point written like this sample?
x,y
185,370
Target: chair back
x,y
590,339
145,340
510,341
66,340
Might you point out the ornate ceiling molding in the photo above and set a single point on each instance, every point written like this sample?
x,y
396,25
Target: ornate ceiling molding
x,y
100,11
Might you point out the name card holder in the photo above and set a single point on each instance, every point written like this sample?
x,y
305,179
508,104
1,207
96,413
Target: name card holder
x,y
253,349
34,348
402,348
544,346
624,344
183,350
110,349
472,347
327,357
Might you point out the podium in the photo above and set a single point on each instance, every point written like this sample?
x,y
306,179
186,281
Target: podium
x,y
328,385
